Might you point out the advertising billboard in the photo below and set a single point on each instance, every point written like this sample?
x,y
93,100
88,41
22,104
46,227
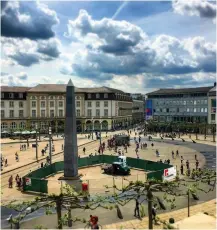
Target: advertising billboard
x,y
148,110
169,174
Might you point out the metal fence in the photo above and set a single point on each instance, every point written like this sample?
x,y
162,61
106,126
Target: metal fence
x,y
36,181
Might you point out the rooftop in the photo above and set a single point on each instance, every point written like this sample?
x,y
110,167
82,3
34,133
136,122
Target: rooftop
x,y
181,91
59,88
212,92
14,89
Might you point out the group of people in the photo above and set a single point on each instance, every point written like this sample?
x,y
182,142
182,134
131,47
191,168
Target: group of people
x,y
18,180
137,210
188,172
23,147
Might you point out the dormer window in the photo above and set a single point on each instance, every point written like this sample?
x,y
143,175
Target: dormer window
x,y
105,95
89,96
11,95
97,95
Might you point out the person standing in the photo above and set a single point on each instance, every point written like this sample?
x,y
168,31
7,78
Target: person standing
x,y
154,213
6,162
177,153
187,164
182,169
136,210
197,164
84,149
173,154
10,181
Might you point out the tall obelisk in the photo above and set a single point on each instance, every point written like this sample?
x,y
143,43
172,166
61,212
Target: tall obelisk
x,y
70,142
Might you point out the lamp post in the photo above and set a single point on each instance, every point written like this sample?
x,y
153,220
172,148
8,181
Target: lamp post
x,y
36,141
50,147
100,137
92,129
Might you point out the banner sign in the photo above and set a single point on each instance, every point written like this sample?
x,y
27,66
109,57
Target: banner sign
x,y
169,174
28,181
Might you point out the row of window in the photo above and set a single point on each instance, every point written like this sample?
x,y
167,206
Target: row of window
x,y
43,113
43,104
11,95
89,95
13,125
60,103
11,113
11,104
181,102
78,113
89,104
89,113
180,110
50,97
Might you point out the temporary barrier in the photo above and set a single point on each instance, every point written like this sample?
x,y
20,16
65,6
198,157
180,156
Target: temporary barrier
x,y
39,183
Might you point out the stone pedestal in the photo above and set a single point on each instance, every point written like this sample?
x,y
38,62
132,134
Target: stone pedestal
x,y
76,182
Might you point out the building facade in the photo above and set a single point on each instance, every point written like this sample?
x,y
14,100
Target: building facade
x,y
212,106
44,105
138,111
13,107
178,105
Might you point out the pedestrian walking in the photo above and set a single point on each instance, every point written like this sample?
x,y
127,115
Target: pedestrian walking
x,y
6,162
154,213
17,178
173,154
84,149
10,181
195,156
187,164
136,210
139,139
182,169
168,161
197,164
177,153
42,164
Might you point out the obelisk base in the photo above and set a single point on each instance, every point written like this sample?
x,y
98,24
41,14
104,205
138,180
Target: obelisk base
x,y
76,182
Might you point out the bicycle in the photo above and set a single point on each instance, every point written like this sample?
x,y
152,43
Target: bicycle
x,y
88,226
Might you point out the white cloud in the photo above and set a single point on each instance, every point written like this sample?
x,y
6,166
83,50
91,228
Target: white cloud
x,y
201,8
124,49
19,79
26,52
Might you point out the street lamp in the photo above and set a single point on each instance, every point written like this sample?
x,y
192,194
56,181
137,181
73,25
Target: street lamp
x,y
36,141
50,147
92,129
100,139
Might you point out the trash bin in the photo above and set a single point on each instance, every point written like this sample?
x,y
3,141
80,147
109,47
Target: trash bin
x,y
84,187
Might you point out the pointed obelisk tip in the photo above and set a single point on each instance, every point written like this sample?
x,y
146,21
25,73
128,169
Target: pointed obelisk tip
x,y
70,83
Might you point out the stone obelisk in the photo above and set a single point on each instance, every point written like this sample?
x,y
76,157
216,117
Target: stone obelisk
x,y
70,142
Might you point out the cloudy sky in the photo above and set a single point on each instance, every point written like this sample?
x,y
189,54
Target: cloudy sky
x,y
132,46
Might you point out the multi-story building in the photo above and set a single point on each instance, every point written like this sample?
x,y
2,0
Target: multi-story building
x,y
178,105
13,107
95,107
212,105
138,111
